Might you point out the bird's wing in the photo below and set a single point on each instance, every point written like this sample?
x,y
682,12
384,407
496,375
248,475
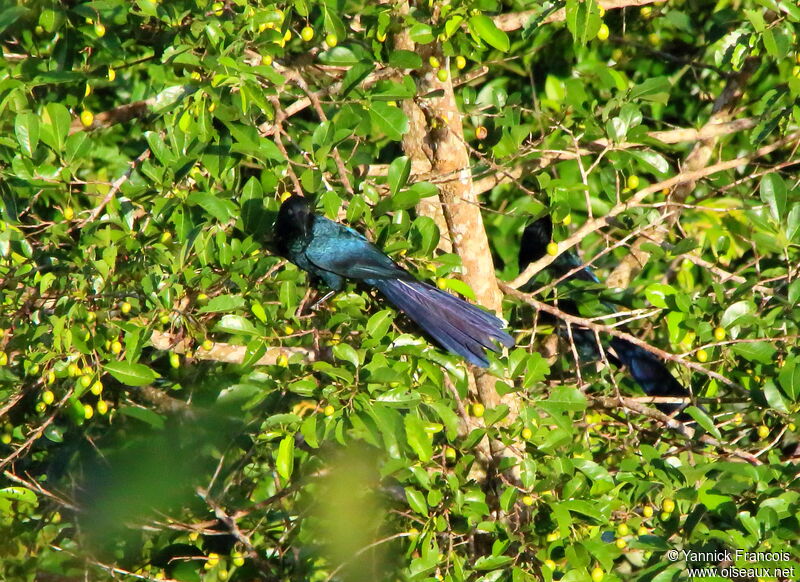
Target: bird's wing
x,y
334,247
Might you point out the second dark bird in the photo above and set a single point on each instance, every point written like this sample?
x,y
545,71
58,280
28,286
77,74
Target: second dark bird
x,y
646,368
331,252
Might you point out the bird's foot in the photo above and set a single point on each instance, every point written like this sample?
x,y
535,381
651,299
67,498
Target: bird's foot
x,y
321,301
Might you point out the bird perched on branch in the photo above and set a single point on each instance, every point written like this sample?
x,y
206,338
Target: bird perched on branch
x,y
645,367
332,253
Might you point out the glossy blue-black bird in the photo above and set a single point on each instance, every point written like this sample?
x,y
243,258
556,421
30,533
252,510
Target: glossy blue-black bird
x,y
645,367
332,253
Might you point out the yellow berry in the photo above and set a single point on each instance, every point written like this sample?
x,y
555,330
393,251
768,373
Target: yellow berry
x,y
74,369
603,33
88,90
207,345
738,418
217,8
654,38
328,410
174,360
642,531
668,506
97,388
633,181
601,11
449,454
665,191
212,107
763,431
112,74
166,237
598,575
567,220
238,559
102,407
527,500
283,361
213,560
331,40
51,377
433,62
86,381
461,62
647,511
6,438
621,544
125,307
550,564
526,433
719,333
48,397
702,356
441,74
87,118
623,529
88,411
478,409
116,347
646,11
100,29
552,249
307,33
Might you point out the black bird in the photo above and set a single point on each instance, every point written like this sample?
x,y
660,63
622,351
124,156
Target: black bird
x,y
332,252
645,368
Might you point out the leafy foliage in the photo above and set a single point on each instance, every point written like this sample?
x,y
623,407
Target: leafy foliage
x,y
171,408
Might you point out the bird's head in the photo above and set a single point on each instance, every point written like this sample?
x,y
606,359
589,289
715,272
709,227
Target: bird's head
x,y
535,239
295,219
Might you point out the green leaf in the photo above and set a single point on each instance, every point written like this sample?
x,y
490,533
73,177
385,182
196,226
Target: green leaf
x,y
131,374
379,323
416,501
347,353
56,125
235,324
656,294
399,171
284,461
492,562
653,159
735,312
403,59
762,352
793,224
390,120
789,378
583,20
26,128
19,494
773,396
223,303
703,420
417,437
219,209
10,15
773,192
484,28
653,89
144,414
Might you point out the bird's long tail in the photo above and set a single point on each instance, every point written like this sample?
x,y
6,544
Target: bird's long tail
x,y
650,373
458,326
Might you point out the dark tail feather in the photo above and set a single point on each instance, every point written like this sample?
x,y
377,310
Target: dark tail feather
x,y
650,373
458,326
